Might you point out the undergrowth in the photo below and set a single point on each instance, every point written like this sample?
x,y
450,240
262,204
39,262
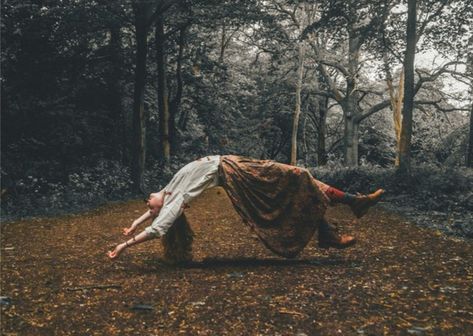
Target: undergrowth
x,y
429,188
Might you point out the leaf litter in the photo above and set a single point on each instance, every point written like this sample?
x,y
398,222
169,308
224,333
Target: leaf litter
x,y
398,280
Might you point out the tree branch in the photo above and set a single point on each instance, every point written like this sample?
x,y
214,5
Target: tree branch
x,y
377,93
337,66
322,93
162,7
336,93
434,76
334,145
292,14
436,103
374,109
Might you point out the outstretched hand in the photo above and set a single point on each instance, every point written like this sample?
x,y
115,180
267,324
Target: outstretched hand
x,y
116,252
129,231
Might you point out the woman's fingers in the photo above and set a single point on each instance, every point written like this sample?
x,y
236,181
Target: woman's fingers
x,y
127,231
115,253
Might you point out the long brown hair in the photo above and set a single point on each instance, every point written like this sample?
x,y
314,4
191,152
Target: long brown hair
x,y
177,242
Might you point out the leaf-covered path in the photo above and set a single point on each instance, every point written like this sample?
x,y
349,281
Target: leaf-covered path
x,y
398,280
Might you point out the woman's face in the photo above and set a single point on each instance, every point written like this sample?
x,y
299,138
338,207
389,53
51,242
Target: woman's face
x,y
155,203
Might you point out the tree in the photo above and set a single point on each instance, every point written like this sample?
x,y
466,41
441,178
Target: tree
x,y
57,63
354,25
396,96
163,96
290,21
146,13
115,82
293,18
469,154
317,113
297,108
408,105
71,71
168,107
142,11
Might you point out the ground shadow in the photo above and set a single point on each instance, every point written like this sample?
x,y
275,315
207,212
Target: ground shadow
x,y
258,262
242,263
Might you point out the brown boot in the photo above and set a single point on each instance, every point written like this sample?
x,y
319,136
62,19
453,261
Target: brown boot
x,y
362,203
336,241
328,237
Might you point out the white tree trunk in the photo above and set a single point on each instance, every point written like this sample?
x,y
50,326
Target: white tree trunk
x,y
297,110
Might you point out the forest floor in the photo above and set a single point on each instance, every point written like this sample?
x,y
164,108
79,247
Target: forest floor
x,y
399,279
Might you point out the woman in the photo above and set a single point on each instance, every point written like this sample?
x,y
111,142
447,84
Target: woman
x,y
282,204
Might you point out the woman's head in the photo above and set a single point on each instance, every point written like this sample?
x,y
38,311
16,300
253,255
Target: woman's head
x,y
155,203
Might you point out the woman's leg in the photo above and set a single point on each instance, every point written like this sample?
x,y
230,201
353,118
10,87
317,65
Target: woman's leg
x,y
335,195
359,204
329,237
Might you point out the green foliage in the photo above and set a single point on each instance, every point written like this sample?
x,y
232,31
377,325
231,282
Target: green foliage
x,y
377,145
34,195
67,92
451,149
57,99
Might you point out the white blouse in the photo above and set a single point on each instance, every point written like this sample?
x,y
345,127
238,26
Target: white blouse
x,y
188,183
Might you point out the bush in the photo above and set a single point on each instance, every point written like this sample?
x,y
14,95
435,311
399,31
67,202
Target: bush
x,y
86,188
31,196
430,187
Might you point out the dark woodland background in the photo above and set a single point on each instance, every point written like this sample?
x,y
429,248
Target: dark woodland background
x,y
104,100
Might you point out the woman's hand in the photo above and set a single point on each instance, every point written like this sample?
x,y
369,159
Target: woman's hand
x,y
129,231
117,251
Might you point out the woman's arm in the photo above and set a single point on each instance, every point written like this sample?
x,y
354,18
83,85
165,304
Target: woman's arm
x,y
155,203
128,231
140,238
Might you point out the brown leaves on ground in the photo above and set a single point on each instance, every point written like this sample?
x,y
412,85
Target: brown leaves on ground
x,y
398,280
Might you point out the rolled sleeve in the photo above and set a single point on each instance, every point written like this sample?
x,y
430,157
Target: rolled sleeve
x,y
153,232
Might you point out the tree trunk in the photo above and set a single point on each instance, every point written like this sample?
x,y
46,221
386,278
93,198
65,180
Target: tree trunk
x,y
351,141
117,115
469,155
350,105
304,139
297,110
397,115
320,117
163,99
222,43
176,102
321,137
138,148
406,129
396,99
